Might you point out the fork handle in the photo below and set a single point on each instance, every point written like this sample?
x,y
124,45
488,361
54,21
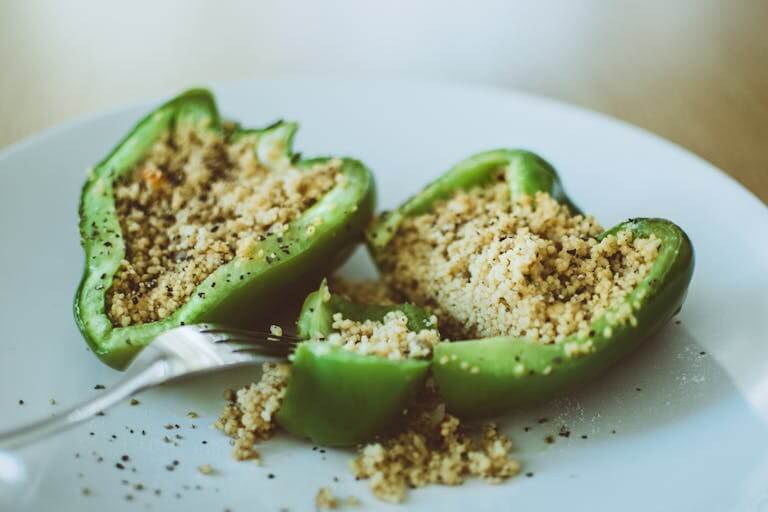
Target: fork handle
x,y
136,379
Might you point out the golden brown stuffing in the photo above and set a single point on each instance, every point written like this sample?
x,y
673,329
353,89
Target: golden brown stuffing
x,y
249,416
433,448
193,204
489,266
390,338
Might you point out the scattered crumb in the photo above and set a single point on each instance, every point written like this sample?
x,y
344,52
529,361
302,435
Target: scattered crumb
x,y
325,499
276,330
192,415
249,415
433,449
205,469
134,401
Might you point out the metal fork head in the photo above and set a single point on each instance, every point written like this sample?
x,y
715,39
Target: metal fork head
x,y
207,347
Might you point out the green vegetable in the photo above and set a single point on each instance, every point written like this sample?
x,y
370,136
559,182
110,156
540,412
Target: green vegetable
x,y
336,397
236,292
489,376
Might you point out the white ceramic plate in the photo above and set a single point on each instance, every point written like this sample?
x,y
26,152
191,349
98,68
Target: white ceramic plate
x,y
668,429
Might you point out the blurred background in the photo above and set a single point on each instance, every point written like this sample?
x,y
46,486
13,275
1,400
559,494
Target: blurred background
x,y
692,71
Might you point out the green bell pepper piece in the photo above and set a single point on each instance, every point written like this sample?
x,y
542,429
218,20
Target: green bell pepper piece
x,y
488,376
339,398
237,292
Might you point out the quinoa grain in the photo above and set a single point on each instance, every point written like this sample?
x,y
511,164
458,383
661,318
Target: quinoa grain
x,y
489,266
193,204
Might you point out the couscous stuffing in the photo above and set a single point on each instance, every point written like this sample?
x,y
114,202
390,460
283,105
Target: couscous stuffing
x,y
433,448
193,204
489,266
390,338
249,417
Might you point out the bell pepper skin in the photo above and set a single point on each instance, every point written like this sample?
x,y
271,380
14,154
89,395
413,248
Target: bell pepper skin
x,y
237,292
486,377
340,398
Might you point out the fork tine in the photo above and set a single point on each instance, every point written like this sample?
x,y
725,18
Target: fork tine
x,y
256,338
283,352
259,342
248,333
257,346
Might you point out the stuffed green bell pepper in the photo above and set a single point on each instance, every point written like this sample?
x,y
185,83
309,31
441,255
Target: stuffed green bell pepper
x,y
192,219
554,301
349,383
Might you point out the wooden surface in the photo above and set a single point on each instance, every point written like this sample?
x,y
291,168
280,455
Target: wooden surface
x,y
692,71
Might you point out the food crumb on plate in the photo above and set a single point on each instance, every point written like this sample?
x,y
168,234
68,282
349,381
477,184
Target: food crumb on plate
x,y
326,500
205,469
249,416
433,448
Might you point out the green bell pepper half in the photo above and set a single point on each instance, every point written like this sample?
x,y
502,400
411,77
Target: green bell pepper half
x,y
340,398
238,291
485,377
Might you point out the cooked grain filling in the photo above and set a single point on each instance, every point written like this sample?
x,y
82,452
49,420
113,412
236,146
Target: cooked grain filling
x,y
193,204
489,266
249,415
390,337
429,447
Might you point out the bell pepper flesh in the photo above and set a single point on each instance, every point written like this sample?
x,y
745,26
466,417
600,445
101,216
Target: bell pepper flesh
x,y
340,398
486,377
238,292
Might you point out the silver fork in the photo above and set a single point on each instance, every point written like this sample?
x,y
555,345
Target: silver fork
x,y
180,352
